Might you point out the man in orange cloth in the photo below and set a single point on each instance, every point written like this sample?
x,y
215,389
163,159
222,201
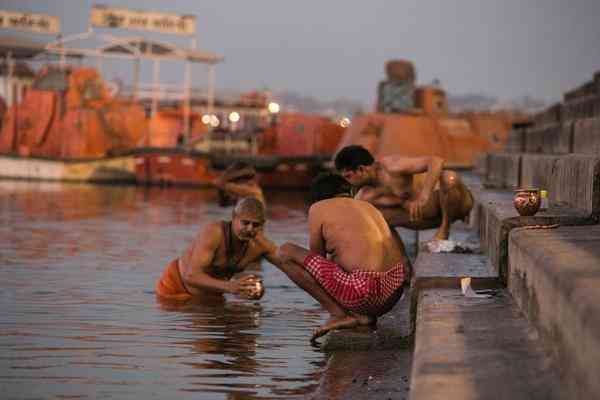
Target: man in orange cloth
x,y
391,185
221,250
238,180
356,266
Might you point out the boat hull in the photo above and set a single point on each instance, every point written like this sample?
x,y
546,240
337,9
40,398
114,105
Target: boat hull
x,y
102,170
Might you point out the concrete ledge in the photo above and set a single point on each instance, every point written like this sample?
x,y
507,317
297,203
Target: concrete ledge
x,y
444,270
586,136
555,280
536,170
516,141
549,139
471,348
584,107
394,331
575,182
498,217
503,170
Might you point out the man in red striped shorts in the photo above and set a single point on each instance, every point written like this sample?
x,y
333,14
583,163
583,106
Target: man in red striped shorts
x,y
356,266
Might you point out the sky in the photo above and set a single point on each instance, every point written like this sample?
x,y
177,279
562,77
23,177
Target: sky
x,y
332,49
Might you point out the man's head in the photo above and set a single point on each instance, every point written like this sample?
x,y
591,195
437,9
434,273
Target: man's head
x,y
248,218
327,185
355,164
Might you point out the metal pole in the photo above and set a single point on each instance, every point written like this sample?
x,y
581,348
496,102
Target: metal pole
x,y
136,78
155,86
211,88
187,95
6,80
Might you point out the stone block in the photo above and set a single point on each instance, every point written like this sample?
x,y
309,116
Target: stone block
x,y
586,136
549,139
536,170
516,141
394,330
576,183
585,107
503,170
499,217
445,270
473,348
554,278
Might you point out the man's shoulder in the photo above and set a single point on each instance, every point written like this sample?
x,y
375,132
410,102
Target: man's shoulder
x,y
212,230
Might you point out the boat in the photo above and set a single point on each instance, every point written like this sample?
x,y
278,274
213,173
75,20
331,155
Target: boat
x,y
413,121
70,125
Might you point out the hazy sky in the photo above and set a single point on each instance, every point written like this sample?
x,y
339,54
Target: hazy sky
x,y
337,48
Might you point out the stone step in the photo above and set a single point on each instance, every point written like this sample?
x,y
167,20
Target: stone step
x,y
473,348
445,270
497,216
574,198
555,280
393,331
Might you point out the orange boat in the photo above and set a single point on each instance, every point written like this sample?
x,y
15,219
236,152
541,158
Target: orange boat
x,y
415,121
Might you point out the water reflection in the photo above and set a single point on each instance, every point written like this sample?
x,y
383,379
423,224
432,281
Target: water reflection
x,y
77,268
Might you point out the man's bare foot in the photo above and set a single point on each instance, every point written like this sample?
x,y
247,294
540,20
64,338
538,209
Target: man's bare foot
x,y
345,322
442,234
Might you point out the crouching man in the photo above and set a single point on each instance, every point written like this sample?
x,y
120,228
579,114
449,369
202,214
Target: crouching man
x,y
356,265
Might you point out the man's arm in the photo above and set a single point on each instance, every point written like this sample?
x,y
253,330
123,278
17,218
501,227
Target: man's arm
x,y
378,196
270,249
315,229
396,166
201,259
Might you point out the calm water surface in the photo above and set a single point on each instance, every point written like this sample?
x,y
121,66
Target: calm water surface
x,y
79,318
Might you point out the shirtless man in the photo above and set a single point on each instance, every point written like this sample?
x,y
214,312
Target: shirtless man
x,y
390,184
221,250
356,265
238,180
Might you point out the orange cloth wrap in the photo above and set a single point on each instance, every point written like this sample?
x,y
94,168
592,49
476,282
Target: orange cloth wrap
x,y
170,286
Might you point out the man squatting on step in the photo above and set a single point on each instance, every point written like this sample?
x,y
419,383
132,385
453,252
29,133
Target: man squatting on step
x,y
356,265
221,250
391,185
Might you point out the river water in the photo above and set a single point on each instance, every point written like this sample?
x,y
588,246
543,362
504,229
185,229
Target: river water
x,y
79,319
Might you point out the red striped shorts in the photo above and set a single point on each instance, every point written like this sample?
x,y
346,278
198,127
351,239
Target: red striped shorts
x,y
362,292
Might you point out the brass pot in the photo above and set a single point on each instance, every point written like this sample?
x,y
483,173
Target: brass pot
x,y
258,291
527,201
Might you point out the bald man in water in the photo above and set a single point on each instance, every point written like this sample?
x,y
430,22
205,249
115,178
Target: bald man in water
x,y
390,185
356,266
221,250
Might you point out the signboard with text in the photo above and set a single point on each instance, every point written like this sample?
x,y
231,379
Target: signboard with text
x,y
109,17
38,23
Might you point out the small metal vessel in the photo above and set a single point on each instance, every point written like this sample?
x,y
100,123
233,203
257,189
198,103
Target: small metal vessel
x,y
527,201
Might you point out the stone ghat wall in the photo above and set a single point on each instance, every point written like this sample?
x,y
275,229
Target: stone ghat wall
x,y
571,126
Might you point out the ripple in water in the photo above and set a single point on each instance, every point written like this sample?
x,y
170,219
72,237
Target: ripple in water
x,y
80,320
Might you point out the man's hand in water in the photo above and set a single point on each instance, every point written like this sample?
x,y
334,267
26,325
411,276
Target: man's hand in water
x,y
244,286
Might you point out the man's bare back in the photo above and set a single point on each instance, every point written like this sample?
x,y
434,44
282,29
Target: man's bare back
x,y
356,266
354,233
